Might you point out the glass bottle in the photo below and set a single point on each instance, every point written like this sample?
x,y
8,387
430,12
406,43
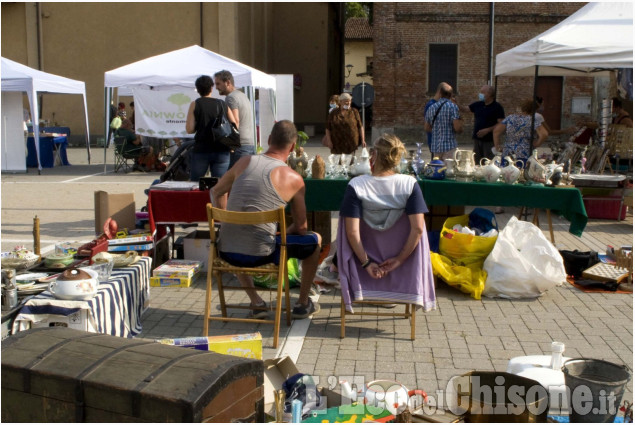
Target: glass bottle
x,y
418,163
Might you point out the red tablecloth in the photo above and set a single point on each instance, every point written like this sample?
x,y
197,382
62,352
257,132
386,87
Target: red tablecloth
x,y
173,206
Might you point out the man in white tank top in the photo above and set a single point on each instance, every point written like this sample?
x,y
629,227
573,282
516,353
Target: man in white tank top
x,y
265,182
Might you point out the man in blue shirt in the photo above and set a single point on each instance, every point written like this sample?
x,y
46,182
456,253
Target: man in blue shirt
x,y
431,102
444,121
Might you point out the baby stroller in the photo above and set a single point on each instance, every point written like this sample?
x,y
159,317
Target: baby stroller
x,y
179,167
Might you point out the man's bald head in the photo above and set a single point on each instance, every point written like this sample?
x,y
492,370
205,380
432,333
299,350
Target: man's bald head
x,y
445,90
283,134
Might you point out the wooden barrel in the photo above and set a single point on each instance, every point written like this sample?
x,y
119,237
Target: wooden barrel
x,y
65,375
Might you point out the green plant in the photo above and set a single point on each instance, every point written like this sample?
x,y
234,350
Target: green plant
x,y
302,138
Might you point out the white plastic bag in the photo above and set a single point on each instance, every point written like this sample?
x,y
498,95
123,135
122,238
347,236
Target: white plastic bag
x,y
523,263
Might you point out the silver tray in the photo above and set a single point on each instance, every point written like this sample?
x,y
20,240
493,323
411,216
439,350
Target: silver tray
x,y
597,180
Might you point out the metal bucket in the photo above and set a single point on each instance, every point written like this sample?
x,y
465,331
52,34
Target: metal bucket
x,y
500,397
595,389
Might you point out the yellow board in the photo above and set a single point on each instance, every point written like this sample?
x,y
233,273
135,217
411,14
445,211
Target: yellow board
x,y
244,345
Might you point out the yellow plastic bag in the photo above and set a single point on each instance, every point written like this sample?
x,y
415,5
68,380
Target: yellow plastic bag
x,y
462,249
470,280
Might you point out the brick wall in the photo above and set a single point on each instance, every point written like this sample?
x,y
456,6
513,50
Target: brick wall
x,y
403,32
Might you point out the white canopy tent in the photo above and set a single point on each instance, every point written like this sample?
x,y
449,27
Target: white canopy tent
x,y
20,78
596,38
594,41
179,69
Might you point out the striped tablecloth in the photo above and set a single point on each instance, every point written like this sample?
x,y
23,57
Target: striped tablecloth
x,y
115,310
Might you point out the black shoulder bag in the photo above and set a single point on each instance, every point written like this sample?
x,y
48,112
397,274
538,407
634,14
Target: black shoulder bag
x,y
225,131
435,117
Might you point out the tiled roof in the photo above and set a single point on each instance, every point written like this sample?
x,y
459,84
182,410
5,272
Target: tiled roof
x,y
358,28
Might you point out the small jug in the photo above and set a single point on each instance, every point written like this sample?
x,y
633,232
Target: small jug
x,y
511,173
450,172
534,170
464,164
491,172
478,173
363,165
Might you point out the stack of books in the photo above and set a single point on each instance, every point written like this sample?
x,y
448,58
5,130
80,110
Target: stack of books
x,y
132,243
175,273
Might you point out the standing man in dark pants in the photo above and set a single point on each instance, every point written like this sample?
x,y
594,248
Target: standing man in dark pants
x,y
487,113
240,106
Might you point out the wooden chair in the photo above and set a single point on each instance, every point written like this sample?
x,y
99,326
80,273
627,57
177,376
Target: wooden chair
x,y
217,266
123,155
409,313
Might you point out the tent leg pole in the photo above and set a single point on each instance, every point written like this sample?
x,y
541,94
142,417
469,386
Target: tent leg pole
x,y
533,115
107,97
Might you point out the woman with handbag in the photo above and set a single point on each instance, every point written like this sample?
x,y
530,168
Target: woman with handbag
x,y
344,130
203,117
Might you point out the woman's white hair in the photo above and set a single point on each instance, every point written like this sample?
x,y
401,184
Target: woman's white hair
x,y
345,96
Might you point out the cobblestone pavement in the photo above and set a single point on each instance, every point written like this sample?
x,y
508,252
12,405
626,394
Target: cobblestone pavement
x,y
462,335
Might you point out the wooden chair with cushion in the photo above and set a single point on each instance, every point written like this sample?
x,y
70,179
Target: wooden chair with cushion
x,y
124,154
411,285
217,266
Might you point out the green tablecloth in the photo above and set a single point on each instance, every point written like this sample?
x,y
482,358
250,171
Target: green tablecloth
x,y
327,194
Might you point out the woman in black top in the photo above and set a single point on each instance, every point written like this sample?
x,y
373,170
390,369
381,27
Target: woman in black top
x,y
203,114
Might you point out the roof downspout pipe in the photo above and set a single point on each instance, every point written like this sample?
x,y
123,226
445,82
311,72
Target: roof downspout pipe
x,y
490,65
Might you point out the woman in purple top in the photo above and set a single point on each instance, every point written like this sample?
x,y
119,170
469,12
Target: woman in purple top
x,y
382,243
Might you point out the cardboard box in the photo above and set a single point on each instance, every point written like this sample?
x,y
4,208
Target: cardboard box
x,y
279,370
196,247
177,268
119,206
276,372
245,345
174,282
78,320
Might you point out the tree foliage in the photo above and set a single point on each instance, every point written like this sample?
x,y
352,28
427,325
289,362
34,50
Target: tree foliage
x,y
360,10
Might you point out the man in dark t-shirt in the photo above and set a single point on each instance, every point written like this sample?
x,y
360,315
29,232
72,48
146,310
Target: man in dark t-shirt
x,y
487,113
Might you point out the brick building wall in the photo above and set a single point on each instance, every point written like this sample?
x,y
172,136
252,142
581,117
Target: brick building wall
x,y
404,31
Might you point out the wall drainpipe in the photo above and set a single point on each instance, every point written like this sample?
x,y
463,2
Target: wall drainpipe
x,y
491,44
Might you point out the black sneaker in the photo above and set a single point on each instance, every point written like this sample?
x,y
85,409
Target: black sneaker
x,y
303,311
258,313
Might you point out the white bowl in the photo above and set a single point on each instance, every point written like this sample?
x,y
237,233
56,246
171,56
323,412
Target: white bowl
x,y
81,289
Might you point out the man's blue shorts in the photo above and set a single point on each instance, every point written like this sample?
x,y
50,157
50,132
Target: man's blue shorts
x,y
298,246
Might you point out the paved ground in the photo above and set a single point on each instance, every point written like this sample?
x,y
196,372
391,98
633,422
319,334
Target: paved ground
x,y
463,334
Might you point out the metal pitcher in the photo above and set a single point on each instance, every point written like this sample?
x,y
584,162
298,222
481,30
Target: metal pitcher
x,y
465,164
450,172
